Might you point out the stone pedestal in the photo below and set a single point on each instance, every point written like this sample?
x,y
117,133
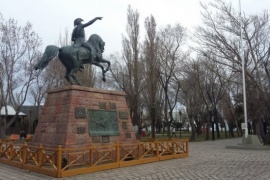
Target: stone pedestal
x,y
251,140
75,116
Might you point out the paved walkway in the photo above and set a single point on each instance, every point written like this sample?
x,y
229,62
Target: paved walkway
x,y
207,160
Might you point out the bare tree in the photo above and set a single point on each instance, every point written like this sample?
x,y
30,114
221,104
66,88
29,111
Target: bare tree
x,y
188,78
170,55
129,74
220,35
19,47
152,87
213,88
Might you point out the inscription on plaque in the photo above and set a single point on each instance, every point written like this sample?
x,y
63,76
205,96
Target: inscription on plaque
x,y
80,130
124,125
112,105
123,114
102,105
103,123
80,112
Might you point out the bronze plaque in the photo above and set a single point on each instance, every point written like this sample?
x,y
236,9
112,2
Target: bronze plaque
x,y
128,135
80,130
112,105
105,139
80,112
123,114
96,139
124,125
103,123
102,105
43,129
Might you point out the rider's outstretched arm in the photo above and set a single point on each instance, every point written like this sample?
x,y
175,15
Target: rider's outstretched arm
x,y
92,21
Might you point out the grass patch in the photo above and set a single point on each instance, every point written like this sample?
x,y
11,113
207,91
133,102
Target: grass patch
x,y
186,134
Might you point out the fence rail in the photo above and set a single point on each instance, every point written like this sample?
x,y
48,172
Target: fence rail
x,y
63,162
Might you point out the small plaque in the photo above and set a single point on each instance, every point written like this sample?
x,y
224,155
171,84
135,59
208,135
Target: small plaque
x,y
96,139
128,135
43,129
105,139
102,105
80,112
123,114
124,125
80,130
112,105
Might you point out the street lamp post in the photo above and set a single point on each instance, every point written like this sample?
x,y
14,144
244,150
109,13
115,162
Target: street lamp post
x,y
243,71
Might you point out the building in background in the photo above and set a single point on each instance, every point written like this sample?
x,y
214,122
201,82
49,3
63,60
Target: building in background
x,y
15,126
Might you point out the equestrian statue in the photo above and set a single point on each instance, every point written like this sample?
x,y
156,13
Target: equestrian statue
x,y
81,52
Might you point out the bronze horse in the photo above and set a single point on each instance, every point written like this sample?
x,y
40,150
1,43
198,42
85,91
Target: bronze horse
x,y
73,58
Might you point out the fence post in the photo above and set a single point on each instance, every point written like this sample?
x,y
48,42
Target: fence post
x,y
91,156
117,153
0,146
11,151
40,155
173,144
59,161
186,142
138,146
157,149
24,154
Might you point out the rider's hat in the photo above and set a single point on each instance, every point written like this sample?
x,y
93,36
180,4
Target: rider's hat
x,y
77,21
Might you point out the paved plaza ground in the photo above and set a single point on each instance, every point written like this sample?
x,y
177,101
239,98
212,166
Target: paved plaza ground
x,y
207,160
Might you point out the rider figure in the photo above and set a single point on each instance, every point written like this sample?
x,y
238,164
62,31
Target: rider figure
x,y
78,34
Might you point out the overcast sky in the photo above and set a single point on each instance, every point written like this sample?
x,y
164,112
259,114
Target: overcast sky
x,y
52,17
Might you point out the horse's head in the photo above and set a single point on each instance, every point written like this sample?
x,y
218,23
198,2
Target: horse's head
x,y
101,46
97,42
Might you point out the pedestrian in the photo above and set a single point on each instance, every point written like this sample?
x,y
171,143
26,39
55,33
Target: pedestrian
x,y
21,135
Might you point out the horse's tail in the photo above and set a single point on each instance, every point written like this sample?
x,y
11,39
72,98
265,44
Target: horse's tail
x,y
50,52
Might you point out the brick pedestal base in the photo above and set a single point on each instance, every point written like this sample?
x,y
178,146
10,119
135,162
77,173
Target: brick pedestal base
x,y
65,119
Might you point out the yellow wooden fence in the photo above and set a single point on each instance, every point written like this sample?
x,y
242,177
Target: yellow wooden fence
x,y
64,162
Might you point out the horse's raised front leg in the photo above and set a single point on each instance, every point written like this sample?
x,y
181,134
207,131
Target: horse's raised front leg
x,y
102,68
108,64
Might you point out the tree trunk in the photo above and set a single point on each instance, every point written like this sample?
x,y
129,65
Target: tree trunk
x,y
216,122
193,129
231,132
153,121
217,129
207,131
2,132
254,125
3,127
225,130
262,131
